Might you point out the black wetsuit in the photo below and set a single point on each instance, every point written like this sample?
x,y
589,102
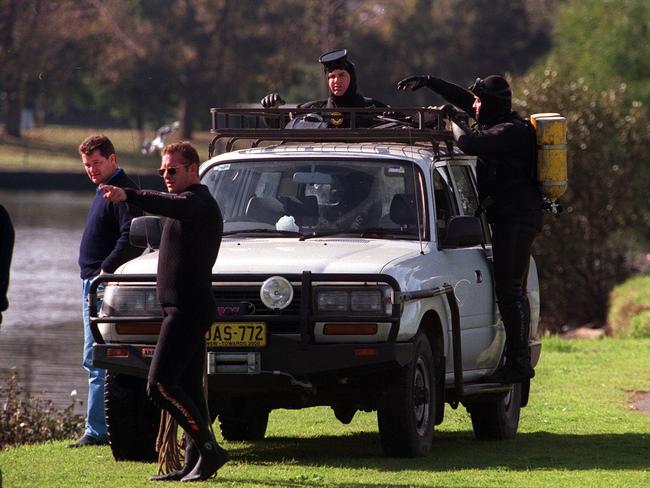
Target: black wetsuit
x,y
6,250
363,120
188,249
508,192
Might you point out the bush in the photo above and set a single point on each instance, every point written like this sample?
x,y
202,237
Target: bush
x,y
629,311
591,247
26,419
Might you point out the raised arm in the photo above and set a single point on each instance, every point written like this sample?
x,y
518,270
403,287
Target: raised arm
x,y
451,92
185,206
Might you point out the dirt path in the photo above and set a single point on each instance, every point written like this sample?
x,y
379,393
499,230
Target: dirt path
x,y
642,402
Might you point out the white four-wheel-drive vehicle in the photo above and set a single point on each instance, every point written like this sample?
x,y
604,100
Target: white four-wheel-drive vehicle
x,y
354,272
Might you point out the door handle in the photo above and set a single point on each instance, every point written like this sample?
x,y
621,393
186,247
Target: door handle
x,y
479,276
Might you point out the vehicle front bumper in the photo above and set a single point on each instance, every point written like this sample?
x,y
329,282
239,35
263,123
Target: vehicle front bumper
x,y
283,355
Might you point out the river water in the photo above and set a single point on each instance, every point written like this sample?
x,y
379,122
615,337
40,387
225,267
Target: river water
x,y
41,335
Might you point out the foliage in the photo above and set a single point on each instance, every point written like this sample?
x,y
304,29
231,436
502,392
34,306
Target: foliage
x,y
605,42
629,308
579,429
589,248
25,419
40,54
456,40
149,62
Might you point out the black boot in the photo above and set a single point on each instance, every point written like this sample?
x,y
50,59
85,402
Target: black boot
x,y
191,459
517,368
212,457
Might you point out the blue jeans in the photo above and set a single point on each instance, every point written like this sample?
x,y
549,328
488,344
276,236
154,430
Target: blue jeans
x,y
95,420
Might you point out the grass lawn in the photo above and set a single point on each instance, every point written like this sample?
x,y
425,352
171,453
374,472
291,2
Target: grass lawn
x,y
54,148
579,430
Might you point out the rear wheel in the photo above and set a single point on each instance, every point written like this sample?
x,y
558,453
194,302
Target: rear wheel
x,y
407,413
243,420
132,419
497,417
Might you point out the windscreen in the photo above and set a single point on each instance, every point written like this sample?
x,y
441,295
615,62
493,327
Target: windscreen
x,y
316,197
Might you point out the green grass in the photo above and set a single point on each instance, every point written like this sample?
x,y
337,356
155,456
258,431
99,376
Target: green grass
x,y
578,430
629,308
54,148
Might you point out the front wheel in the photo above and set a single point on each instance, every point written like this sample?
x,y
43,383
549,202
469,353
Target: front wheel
x,y
497,418
406,414
243,420
132,420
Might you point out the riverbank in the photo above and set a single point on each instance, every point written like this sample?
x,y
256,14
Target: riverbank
x,y
65,181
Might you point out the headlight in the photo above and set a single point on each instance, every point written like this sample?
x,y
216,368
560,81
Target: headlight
x,y
122,301
373,300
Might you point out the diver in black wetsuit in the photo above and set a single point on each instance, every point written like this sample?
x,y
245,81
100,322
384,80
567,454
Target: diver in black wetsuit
x,y
509,194
341,76
188,249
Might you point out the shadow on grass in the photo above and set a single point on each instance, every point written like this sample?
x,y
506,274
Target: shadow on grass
x,y
459,450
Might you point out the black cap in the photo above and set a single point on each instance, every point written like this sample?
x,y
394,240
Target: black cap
x,y
332,60
494,86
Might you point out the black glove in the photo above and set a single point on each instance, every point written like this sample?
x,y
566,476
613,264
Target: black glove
x,y
448,110
413,82
272,100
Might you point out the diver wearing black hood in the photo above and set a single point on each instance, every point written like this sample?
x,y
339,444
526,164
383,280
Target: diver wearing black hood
x,y
509,194
341,77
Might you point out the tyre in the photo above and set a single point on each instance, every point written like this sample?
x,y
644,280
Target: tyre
x,y
407,413
243,420
132,419
497,417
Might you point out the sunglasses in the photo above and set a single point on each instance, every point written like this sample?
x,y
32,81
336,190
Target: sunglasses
x,y
170,171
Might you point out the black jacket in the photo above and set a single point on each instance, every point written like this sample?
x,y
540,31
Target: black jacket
x,y
189,245
505,149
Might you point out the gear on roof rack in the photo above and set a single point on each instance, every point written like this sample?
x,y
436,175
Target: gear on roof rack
x,y
403,125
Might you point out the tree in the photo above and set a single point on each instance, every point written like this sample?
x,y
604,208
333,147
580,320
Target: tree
x,y
605,42
34,40
456,40
589,248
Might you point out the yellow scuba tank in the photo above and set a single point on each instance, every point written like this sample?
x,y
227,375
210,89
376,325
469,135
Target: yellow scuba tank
x,y
550,131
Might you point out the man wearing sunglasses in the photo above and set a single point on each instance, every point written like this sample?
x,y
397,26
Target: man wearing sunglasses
x,y
188,249
508,193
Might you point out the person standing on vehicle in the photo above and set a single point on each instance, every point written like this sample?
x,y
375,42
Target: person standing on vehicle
x,y
6,250
188,249
104,246
508,193
341,77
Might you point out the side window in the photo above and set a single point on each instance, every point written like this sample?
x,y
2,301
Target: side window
x,y
466,194
444,200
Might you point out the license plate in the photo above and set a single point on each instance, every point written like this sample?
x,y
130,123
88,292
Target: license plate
x,y
236,334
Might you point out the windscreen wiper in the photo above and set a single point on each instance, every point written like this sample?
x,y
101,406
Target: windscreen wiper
x,y
327,233
284,233
384,232
370,232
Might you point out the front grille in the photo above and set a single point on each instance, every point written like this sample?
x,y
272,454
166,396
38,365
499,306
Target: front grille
x,y
288,318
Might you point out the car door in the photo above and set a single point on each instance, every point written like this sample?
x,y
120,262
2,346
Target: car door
x,y
470,270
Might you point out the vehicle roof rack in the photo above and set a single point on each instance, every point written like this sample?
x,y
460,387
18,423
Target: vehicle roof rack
x,y
405,125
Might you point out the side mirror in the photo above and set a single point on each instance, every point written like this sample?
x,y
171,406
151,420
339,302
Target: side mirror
x,y
145,232
463,231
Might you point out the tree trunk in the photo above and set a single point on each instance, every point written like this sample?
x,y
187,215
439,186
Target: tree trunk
x,y
14,106
185,115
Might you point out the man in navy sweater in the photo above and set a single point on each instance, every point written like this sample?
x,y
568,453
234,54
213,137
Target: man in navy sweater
x,y
104,247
